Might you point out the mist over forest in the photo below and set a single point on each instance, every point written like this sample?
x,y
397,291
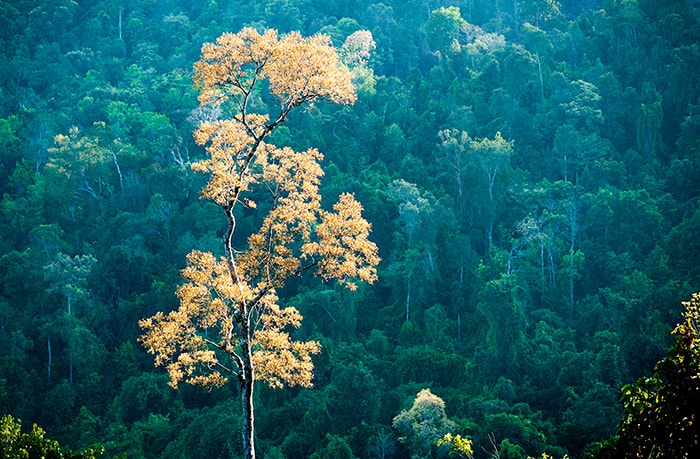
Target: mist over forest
x,y
530,170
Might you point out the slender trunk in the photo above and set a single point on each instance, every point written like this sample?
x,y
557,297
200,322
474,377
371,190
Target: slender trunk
x,y
119,171
542,260
408,298
48,370
459,328
539,68
120,23
552,274
574,228
70,367
489,235
571,275
247,382
246,377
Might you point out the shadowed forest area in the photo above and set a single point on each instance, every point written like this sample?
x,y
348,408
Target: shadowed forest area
x,y
530,169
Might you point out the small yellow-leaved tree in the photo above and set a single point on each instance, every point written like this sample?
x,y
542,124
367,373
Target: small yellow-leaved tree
x,y
229,323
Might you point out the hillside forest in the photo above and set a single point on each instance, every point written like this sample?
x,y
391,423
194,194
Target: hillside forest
x,y
530,170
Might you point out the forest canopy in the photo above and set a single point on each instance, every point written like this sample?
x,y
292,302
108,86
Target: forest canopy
x,y
529,170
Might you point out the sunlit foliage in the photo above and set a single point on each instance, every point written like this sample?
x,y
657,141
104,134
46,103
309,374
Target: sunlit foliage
x,y
661,418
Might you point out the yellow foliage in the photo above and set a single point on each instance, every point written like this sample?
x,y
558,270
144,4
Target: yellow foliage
x,y
279,360
229,67
236,156
315,68
691,316
298,69
343,244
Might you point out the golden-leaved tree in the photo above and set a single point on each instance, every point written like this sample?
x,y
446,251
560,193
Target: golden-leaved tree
x,y
229,323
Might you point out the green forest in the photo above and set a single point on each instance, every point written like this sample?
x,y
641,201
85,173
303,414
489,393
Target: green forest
x,y
530,170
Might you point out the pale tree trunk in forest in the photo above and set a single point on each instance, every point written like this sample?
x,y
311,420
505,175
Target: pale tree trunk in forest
x,y
492,179
459,328
70,352
119,170
542,263
408,298
574,228
246,378
571,275
539,69
552,272
48,370
247,382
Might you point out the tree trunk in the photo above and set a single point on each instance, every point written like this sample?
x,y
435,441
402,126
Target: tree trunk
x,y
408,298
571,276
246,377
119,170
48,371
247,382
539,69
574,229
459,328
489,235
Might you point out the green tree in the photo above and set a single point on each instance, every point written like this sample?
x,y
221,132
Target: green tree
x,y
34,445
539,11
415,253
236,294
537,41
424,424
491,157
650,123
661,418
500,305
443,29
337,448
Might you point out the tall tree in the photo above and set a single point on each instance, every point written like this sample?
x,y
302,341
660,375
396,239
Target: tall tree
x,y
492,157
236,295
443,29
424,424
417,237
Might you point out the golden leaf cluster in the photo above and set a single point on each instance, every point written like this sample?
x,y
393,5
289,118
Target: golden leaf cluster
x,y
294,178
343,244
298,69
278,359
176,345
236,156
184,340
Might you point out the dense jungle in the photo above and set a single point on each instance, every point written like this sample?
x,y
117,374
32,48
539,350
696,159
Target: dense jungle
x,y
531,172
